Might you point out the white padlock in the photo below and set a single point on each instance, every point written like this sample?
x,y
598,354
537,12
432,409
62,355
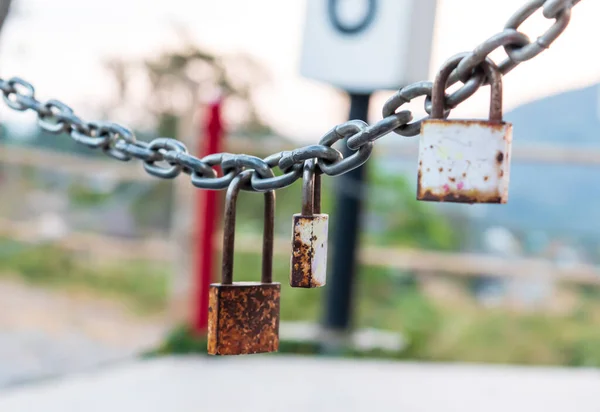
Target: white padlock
x,y
309,235
465,161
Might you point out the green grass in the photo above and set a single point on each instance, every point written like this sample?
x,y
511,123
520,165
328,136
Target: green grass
x,y
449,336
142,284
435,330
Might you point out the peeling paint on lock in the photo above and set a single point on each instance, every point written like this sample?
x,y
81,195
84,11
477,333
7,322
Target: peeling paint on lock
x,y
466,161
309,254
308,263
243,318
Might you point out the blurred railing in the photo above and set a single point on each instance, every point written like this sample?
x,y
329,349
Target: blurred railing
x,y
416,261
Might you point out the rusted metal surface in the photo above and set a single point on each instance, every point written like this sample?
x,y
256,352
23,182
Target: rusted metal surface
x,y
465,161
243,318
309,254
309,234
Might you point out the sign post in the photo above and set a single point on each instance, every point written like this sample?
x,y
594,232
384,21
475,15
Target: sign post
x,y
360,46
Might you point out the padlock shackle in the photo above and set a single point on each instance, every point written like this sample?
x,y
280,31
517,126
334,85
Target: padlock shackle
x,y
492,73
229,230
317,194
311,189
266,275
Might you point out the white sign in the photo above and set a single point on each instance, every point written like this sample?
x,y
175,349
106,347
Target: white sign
x,y
367,45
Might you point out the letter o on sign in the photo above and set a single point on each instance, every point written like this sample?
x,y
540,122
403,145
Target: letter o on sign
x,y
366,45
343,27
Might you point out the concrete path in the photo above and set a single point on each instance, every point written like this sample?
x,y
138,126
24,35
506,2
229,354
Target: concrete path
x,y
45,333
277,383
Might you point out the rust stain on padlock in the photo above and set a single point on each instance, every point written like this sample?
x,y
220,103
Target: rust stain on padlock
x,y
243,318
464,161
309,255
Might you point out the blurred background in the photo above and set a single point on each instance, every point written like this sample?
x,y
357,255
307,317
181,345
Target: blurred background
x,y
101,262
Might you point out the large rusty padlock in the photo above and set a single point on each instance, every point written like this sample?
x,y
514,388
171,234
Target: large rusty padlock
x,y
244,316
309,234
465,161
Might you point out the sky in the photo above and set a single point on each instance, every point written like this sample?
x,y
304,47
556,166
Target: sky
x,y
59,46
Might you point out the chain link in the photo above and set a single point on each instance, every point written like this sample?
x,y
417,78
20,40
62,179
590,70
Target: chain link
x,y
167,158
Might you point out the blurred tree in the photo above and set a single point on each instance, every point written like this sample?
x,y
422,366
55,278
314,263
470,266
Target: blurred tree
x,y
176,79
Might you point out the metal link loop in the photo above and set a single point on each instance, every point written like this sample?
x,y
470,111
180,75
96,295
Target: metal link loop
x,y
217,183
408,93
553,7
468,89
242,162
6,88
190,164
289,176
357,159
11,89
441,80
95,136
521,54
60,113
115,133
139,150
289,158
158,146
403,96
510,37
31,103
378,130
277,182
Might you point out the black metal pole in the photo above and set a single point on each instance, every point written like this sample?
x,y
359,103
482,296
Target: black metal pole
x,y
341,277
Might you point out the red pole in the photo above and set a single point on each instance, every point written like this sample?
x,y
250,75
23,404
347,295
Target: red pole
x,y
212,133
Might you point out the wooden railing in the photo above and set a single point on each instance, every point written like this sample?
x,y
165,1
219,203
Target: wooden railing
x,y
416,261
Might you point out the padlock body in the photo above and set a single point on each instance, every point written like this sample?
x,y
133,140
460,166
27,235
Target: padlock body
x,y
243,318
309,251
464,161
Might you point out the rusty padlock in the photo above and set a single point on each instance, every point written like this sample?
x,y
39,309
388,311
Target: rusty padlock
x,y
244,316
465,161
309,234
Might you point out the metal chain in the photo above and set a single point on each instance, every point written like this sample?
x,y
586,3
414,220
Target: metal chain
x,y
120,142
